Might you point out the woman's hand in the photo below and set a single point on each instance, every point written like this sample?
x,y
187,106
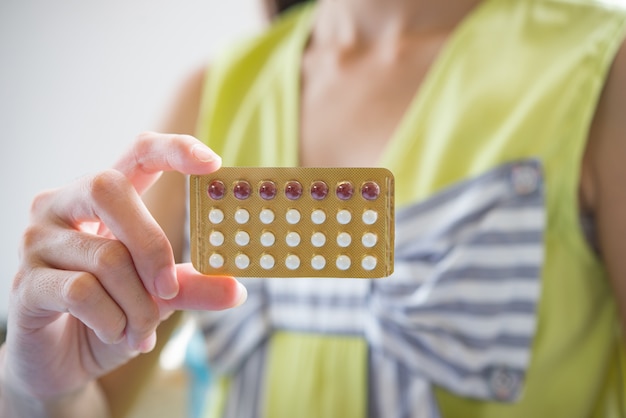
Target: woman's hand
x,y
97,274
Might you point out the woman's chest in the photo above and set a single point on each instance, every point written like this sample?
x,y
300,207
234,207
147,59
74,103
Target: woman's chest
x,y
351,107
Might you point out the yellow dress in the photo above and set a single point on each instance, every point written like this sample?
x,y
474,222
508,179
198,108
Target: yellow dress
x,y
498,307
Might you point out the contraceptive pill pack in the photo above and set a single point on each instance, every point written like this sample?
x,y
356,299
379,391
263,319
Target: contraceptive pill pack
x,y
293,222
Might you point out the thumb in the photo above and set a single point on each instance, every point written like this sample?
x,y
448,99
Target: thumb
x,y
201,292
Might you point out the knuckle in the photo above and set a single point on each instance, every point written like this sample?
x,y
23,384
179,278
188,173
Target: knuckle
x,y
145,136
32,236
143,148
24,298
144,145
116,328
106,184
143,142
40,202
146,320
182,139
80,289
111,255
19,281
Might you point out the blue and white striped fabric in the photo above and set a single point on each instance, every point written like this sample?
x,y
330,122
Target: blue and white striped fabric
x,y
458,312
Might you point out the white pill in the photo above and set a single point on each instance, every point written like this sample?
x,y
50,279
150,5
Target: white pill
x,y
216,260
216,216
267,216
292,239
318,262
293,216
370,217
343,262
369,239
216,238
318,239
242,261
242,216
344,239
368,262
292,262
318,216
242,238
267,261
344,217
267,239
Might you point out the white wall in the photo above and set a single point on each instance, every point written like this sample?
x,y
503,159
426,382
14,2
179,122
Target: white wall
x,y
79,79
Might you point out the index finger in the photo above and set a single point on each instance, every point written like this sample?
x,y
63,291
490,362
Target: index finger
x,y
152,153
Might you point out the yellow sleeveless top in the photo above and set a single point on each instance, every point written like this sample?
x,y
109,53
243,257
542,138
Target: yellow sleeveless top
x,y
512,93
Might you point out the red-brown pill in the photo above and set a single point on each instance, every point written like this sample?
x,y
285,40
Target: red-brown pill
x,y
370,190
319,190
216,190
267,190
242,190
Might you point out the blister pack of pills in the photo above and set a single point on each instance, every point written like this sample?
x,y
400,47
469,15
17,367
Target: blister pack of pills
x,y
293,222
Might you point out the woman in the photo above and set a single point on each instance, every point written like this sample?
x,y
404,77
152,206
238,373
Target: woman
x,y
501,123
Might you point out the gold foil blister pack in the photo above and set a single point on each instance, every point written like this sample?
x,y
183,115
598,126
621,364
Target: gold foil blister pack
x,y
293,222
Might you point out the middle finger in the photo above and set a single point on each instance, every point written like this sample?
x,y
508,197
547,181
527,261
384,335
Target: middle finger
x,y
110,262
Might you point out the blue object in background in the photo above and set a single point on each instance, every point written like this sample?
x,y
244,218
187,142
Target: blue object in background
x,y
199,375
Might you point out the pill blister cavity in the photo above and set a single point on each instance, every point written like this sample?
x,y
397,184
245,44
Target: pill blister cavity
x,y
267,190
369,262
370,217
216,216
293,216
344,239
242,190
318,262
344,217
343,262
267,239
216,238
242,238
293,190
319,190
242,216
267,216
216,260
292,262
318,216
292,239
369,239
344,190
242,261
267,261
216,190
318,239
370,190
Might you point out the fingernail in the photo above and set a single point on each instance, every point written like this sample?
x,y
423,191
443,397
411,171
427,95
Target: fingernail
x,y
204,153
243,295
166,285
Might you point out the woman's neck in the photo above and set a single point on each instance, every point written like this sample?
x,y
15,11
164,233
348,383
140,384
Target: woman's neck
x,y
351,23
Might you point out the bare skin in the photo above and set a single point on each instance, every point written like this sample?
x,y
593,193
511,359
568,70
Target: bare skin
x,y
398,40
363,65
603,173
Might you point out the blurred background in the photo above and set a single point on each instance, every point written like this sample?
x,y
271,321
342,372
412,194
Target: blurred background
x,y
79,79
